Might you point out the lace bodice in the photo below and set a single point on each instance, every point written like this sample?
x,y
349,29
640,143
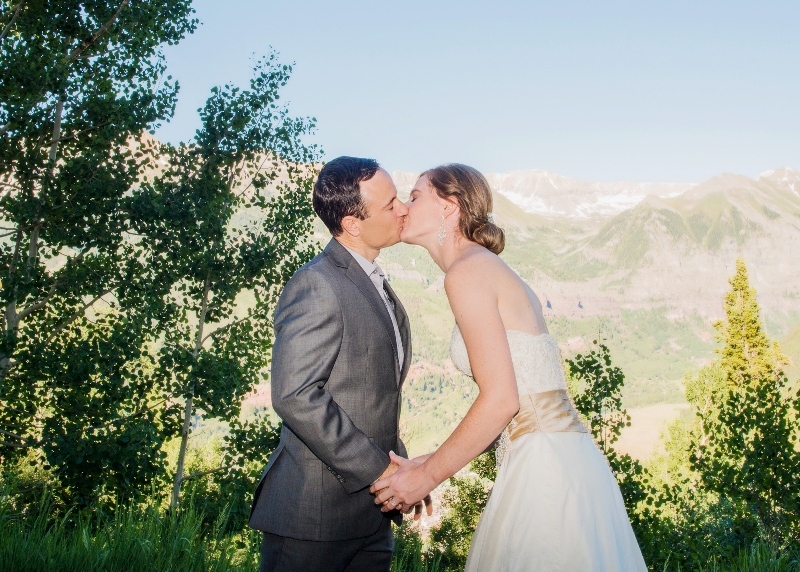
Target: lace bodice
x,y
537,361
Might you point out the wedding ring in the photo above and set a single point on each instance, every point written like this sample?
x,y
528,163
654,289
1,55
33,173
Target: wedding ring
x,y
391,502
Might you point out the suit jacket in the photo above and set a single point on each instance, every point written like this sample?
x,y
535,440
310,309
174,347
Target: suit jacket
x,y
336,385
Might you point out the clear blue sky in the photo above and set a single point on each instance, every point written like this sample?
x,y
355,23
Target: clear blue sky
x,y
666,90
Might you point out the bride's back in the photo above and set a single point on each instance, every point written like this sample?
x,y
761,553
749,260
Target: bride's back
x,y
534,353
517,303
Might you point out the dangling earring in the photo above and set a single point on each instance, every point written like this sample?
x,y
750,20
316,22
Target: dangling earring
x,y
442,234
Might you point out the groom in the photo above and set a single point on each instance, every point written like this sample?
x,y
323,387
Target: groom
x,y
342,350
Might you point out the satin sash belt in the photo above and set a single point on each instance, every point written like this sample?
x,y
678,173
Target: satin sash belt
x,y
548,411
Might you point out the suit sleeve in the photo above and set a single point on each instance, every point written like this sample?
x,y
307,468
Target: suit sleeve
x,y
401,448
308,336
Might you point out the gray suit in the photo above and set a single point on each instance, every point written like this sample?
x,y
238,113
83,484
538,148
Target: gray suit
x,y
336,385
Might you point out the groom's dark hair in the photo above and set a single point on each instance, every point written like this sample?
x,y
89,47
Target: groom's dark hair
x,y
336,192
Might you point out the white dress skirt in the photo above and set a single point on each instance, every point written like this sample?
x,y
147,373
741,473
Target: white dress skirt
x,y
555,505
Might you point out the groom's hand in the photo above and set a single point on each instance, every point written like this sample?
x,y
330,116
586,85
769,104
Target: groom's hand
x,y
425,504
394,466
409,486
388,472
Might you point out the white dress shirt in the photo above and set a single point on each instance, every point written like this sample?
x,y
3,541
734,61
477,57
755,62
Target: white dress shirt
x,y
376,275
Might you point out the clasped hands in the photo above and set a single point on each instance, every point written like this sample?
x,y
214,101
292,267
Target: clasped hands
x,y
404,486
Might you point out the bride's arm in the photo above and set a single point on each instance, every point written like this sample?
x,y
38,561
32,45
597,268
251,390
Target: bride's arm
x,y
473,299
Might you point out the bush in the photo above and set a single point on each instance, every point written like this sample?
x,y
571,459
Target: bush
x,y
462,506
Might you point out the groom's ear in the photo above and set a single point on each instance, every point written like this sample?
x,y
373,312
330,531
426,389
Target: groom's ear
x,y
350,226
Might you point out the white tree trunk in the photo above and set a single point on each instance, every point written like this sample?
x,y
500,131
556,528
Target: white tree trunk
x,y
187,414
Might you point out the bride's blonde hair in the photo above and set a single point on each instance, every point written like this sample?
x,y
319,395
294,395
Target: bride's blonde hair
x,y
471,190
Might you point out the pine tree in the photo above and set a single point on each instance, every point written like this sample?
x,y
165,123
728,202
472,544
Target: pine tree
x,y
747,450
747,352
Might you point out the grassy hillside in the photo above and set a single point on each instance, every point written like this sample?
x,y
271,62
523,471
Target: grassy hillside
x,y
653,351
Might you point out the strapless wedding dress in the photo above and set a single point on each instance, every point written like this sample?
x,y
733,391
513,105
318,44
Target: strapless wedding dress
x,y
555,505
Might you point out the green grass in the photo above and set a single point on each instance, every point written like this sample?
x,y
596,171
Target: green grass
x,y
759,558
138,538
145,538
411,555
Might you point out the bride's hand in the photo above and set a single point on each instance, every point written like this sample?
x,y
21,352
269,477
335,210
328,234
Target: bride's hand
x,y
421,459
409,486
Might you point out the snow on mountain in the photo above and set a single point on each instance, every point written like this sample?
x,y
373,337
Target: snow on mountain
x,y
549,194
785,177
541,192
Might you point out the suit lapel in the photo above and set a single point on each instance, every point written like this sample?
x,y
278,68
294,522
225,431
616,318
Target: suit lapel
x,y
357,275
405,329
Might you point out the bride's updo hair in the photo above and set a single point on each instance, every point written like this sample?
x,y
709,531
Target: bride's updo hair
x,y
471,190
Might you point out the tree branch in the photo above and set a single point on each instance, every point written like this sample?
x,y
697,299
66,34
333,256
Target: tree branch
x,y
75,135
97,55
12,267
131,416
225,327
15,445
15,436
103,29
204,473
176,487
12,187
25,312
75,316
38,305
14,409
33,250
8,27
255,173
10,317
29,489
56,133
177,347
202,318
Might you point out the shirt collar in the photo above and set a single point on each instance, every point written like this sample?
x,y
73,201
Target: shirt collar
x,y
366,265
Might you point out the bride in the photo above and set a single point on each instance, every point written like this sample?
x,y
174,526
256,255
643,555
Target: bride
x,y
555,503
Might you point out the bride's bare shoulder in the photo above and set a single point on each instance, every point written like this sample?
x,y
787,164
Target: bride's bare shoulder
x,y
474,267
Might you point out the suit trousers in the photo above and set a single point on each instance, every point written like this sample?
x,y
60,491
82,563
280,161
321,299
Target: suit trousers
x,y
369,554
